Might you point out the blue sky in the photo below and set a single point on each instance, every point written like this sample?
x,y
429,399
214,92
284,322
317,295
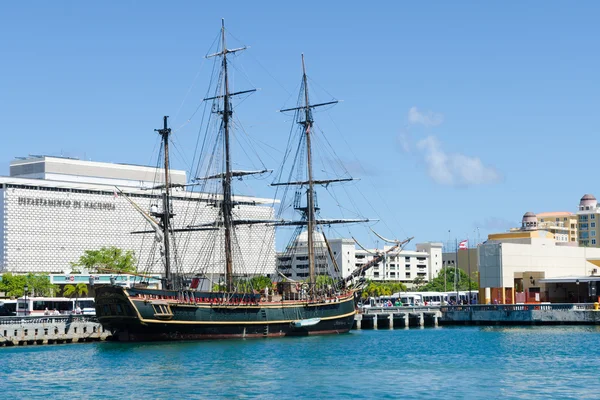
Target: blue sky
x,y
455,115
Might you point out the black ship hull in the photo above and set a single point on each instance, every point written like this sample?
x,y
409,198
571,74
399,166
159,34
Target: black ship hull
x,y
149,315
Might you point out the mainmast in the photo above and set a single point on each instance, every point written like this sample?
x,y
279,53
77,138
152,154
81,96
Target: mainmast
x,y
226,114
310,199
166,214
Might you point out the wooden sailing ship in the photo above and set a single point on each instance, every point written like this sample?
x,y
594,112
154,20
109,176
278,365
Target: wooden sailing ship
x,y
178,312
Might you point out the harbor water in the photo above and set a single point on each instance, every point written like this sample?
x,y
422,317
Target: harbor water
x,y
449,362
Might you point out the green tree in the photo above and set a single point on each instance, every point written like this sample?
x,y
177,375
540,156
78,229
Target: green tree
x,y
37,284
324,280
257,283
377,289
447,275
77,290
110,259
418,282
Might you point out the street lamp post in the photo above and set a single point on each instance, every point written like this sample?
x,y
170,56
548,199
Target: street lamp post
x,y
25,291
577,283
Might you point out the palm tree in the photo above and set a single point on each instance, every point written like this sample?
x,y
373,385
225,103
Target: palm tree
x,y
78,290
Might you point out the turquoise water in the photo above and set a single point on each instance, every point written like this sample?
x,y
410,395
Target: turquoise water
x,y
461,362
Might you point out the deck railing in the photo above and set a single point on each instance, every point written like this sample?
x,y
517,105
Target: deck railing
x,y
47,319
518,307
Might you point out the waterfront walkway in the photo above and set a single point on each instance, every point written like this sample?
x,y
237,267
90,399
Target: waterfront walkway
x,y
480,314
521,314
32,330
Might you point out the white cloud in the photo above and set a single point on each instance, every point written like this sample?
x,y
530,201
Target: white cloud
x,y
404,141
427,118
454,169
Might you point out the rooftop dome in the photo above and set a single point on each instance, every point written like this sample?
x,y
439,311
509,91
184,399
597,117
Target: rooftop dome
x,y
587,202
529,221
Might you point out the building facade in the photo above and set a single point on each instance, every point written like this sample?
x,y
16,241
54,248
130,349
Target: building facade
x,y
399,266
562,224
46,225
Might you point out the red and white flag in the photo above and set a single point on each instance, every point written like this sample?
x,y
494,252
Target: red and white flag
x,y
463,245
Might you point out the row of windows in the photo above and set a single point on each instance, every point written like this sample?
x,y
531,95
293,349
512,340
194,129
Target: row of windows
x,y
585,217
585,235
557,219
100,192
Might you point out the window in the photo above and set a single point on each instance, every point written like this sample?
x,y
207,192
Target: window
x,y
593,216
408,275
593,233
593,241
407,267
407,259
593,224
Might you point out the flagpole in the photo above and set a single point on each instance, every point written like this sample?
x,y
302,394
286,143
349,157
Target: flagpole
x,y
455,271
446,267
469,261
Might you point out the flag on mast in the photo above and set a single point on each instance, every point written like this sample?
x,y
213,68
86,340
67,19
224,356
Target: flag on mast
x,y
463,245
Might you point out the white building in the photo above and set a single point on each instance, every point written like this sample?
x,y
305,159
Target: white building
x,y
404,266
66,169
399,266
46,224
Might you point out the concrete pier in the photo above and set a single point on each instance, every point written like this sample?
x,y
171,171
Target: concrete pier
x,y
521,314
39,330
396,317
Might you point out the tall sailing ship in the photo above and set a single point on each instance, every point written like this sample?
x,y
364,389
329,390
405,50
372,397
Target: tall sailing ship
x,y
237,307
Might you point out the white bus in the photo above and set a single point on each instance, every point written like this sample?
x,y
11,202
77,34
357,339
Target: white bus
x,y
8,308
55,306
462,297
409,298
432,298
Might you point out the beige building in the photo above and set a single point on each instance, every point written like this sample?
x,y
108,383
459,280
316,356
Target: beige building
x,y
562,224
531,265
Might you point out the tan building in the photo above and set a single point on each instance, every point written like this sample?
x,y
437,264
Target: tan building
x,y
562,224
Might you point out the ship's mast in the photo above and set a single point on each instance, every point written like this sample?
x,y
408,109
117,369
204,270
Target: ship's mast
x,y
226,114
310,198
166,214
226,204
